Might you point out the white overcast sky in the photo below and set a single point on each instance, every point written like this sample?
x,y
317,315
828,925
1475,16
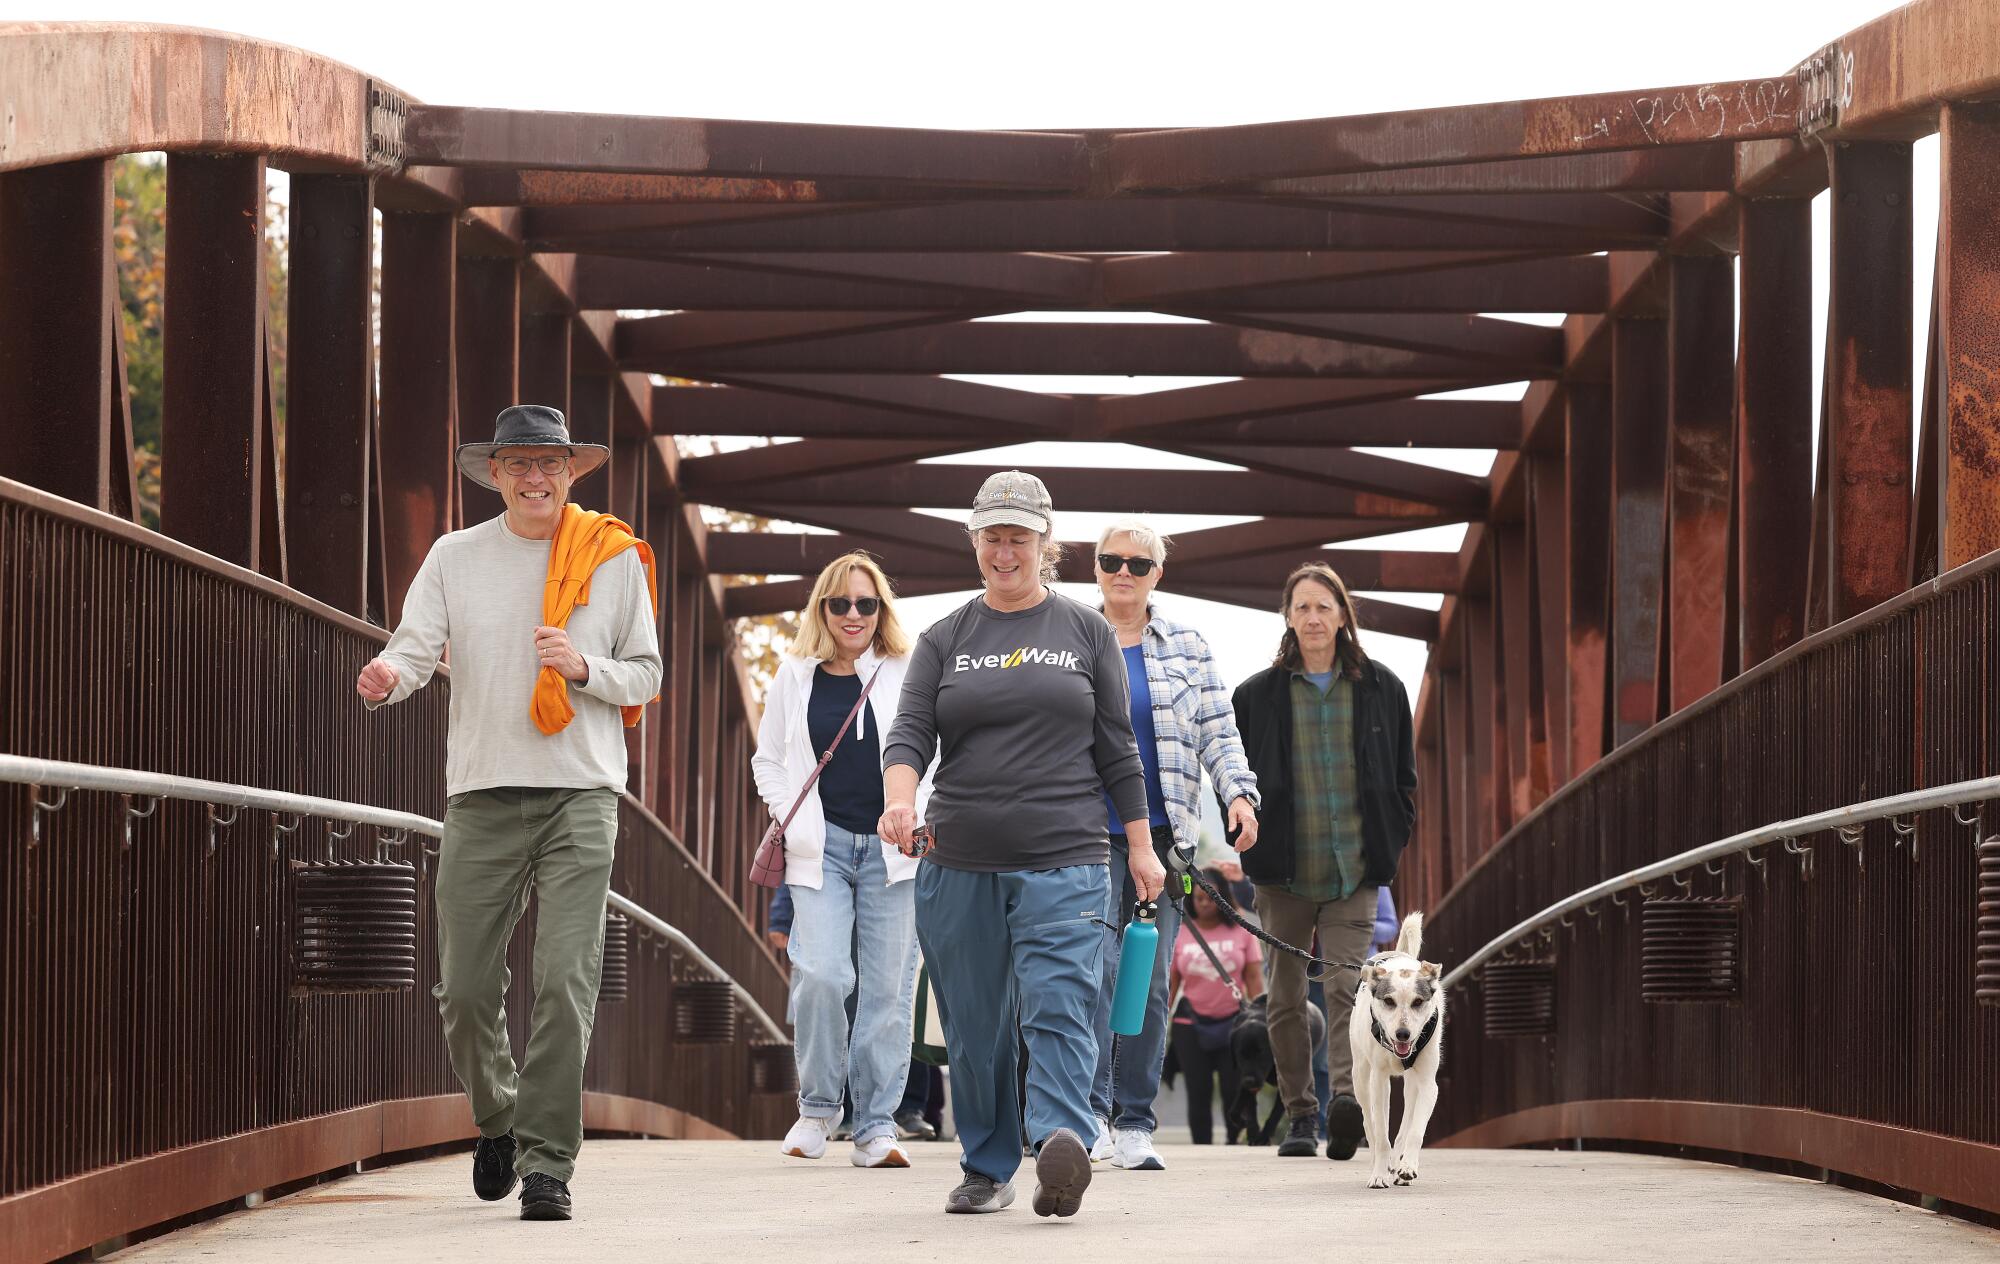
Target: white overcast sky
x,y
1035,64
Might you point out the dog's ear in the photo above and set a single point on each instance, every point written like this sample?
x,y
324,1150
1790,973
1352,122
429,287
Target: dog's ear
x,y
1431,969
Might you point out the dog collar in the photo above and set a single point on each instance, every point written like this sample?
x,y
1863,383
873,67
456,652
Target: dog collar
x,y
1416,1050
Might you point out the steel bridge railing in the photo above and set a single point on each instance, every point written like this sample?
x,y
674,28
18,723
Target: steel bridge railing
x,y
39,774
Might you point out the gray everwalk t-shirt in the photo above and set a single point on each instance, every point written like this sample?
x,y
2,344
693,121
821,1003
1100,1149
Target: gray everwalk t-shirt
x,y
1029,714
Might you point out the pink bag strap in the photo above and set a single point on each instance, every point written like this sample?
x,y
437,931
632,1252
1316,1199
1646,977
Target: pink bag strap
x,y
827,758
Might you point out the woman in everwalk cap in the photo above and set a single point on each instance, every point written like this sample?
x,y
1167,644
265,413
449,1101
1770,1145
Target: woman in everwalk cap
x,y
1023,690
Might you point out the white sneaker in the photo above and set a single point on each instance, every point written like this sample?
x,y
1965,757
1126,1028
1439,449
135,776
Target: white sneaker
x,y
807,1139
1134,1150
884,1151
1100,1149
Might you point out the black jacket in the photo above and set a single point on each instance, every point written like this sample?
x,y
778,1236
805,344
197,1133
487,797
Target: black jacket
x,y
1385,765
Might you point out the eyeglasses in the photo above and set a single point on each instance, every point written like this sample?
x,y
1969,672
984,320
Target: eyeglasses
x,y
519,465
863,606
1140,566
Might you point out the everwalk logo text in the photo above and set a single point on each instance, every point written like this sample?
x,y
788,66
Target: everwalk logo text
x,y
1066,660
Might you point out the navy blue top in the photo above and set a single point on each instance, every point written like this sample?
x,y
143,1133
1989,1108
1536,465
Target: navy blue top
x,y
1141,691
850,790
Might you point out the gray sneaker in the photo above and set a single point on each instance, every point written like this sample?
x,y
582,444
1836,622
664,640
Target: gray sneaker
x,y
1062,1173
976,1194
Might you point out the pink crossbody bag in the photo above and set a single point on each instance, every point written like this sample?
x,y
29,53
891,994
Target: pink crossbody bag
x,y
767,867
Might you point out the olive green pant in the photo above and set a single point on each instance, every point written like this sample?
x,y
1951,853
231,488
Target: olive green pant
x,y
1345,929
498,845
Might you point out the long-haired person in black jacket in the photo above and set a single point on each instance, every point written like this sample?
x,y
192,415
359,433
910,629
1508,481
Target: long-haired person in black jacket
x,y
1328,733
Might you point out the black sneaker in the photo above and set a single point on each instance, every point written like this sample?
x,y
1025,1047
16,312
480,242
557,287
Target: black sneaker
x,y
977,1194
912,1126
493,1167
1302,1142
543,1197
1062,1173
1343,1127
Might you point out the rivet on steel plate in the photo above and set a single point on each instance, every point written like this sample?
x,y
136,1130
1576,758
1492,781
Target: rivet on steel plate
x,y
215,821
279,830
134,814
35,797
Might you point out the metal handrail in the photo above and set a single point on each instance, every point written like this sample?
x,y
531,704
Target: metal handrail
x,y
22,770
1946,796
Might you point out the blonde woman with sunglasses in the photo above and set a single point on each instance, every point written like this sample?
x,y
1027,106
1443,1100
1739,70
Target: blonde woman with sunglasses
x,y
854,920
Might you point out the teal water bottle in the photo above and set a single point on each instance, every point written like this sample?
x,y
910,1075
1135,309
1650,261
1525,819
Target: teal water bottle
x,y
1135,969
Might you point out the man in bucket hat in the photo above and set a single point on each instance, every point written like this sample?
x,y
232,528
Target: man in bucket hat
x,y
533,778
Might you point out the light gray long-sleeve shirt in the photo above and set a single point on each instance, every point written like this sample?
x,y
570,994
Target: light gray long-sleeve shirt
x,y
1029,712
479,592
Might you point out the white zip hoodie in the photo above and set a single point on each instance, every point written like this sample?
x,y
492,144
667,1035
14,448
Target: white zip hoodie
x,y
785,758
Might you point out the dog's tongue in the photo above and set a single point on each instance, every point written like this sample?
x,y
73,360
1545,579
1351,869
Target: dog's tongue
x,y
1403,1048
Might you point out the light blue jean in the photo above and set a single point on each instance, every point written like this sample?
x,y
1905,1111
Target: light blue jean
x,y
1128,1067
855,919
1007,951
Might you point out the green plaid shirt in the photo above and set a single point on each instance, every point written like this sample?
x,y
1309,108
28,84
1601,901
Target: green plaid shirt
x,y
1326,798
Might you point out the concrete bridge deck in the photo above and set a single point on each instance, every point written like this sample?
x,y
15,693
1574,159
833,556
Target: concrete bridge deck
x,y
739,1201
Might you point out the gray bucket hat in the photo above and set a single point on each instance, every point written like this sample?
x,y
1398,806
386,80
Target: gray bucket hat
x,y
528,426
1011,498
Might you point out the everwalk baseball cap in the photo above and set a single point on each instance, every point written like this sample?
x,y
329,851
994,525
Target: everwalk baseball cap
x,y
1011,498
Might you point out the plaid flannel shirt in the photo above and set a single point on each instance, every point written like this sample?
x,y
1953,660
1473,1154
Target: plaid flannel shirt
x,y
1194,724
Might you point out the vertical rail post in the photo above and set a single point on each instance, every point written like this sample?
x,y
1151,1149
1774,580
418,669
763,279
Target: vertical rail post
x,y
1547,519
590,422
330,388
1639,520
58,320
212,450
1868,376
1587,470
488,345
1774,478
1968,348
419,391
1701,291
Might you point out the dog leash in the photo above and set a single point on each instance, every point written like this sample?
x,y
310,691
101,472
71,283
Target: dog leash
x,y
1317,968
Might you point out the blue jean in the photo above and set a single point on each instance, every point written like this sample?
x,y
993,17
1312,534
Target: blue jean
x,y
1007,950
1128,1067
855,919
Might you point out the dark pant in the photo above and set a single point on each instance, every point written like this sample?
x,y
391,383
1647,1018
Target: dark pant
x,y
1204,1069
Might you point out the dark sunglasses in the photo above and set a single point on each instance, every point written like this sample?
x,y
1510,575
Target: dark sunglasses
x,y
1140,566
863,606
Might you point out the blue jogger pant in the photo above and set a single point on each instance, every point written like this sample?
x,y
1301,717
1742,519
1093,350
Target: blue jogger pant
x,y
1005,949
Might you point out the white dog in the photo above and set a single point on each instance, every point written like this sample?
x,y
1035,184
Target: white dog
x,y
1397,1028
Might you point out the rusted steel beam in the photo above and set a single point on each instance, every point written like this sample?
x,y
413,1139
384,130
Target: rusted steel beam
x,y
814,457
1487,804
59,315
1508,344
732,410
1520,675
589,415
1639,521
1134,491
1566,284
1414,423
419,392
1587,470
1250,401
1774,443
488,349
1548,561
457,136
1275,535
785,553
1968,293
1868,375
1028,410
1895,70
212,396
545,359
1360,471
1928,510
330,388
1685,168
1073,226
1056,347
870,282
95,90
698,333
532,187
1638,120
1700,407
1158,279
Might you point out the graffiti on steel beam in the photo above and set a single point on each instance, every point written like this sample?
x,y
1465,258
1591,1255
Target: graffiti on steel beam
x,y
1691,115
1826,87
388,117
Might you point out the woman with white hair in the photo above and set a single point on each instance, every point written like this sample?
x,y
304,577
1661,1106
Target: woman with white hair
x,y
1020,695
853,926
1184,723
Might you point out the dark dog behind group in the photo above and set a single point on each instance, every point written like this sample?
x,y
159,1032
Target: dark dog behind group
x,y
1250,1043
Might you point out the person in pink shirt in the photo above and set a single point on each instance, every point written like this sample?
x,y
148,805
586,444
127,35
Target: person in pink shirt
x,y
1207,1008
